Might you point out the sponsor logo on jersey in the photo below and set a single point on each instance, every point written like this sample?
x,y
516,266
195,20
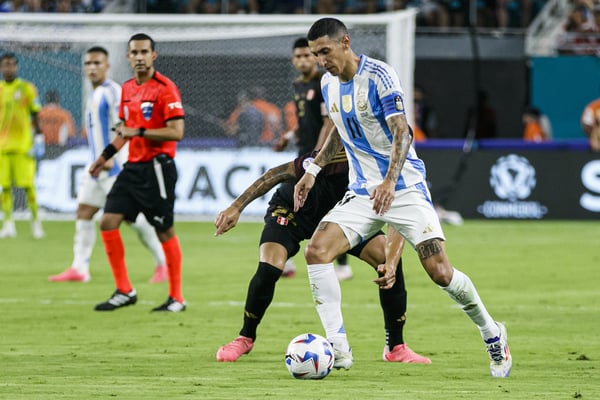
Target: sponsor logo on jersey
x,y
147,107
334,109
347,103
174,105
310,94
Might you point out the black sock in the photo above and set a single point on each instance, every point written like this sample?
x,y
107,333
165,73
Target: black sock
x,y
260,294
342,259
393,303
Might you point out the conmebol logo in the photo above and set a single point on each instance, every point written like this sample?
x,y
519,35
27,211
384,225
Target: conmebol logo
x,y
513,179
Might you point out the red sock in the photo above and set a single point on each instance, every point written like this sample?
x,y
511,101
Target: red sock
x,y
173,255
115,251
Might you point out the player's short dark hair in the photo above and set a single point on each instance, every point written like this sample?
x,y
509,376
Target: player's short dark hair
x,y
97,49
7,56
142,36
300,43
52,96
332,27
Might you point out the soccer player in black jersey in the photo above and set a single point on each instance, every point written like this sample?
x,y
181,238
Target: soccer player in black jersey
x,y
283,231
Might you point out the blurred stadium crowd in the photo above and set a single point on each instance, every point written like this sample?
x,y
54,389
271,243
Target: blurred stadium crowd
x,y
580,30
432,13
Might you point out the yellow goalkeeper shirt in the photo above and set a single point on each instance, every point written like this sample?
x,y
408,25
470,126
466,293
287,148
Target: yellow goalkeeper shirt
x,y
18,101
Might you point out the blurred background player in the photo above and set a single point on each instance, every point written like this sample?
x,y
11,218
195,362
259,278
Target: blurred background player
x,y
272,115
534,129
425,117
312,128
101,114
245,122
56,123
19,105
590,123
280,239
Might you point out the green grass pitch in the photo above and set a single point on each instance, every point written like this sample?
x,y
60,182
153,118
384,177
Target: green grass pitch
x,y
541,278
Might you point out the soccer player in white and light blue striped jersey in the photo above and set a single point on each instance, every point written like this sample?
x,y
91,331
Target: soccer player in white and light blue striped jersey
x,y
101,115
387,185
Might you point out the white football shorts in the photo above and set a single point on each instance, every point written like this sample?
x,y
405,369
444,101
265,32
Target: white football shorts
x,y
93,191
412,214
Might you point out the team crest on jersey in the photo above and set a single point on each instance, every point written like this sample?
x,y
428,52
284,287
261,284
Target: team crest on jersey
x,y
17,95
310,94
282,220
361,101
147,107
398,103
347,103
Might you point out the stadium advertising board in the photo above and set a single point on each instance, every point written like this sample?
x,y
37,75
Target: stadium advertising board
x,y
517,184
495,184
208,180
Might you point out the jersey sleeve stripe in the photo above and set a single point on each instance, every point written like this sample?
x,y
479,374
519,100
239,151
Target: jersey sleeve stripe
x,y
381,73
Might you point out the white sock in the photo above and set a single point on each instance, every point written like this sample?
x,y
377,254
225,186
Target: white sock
x,y
462,291
83,244
327,296
148,237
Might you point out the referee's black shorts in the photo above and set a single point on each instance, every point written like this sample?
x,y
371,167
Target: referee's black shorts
x,y
148,188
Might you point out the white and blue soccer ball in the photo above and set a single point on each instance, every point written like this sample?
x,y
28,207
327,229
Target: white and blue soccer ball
x,y
309,356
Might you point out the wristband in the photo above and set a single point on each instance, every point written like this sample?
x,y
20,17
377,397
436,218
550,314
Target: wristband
x,y
313,169
141,132
109,151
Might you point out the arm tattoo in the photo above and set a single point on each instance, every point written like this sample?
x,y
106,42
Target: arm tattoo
x,y
400,146
265,183
429,248
322,226
331,147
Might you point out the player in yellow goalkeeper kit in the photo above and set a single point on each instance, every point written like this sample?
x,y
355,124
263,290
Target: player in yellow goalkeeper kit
x,y
19,105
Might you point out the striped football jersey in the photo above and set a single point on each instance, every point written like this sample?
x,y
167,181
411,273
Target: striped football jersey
x,y
359,108
101,115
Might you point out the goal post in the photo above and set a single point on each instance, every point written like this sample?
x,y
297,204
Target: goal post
x,y
217,39
212,59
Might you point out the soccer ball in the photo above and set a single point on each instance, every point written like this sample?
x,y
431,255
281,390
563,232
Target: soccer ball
x,y
309,356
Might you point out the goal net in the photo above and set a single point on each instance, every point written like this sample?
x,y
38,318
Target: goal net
x,y
212,58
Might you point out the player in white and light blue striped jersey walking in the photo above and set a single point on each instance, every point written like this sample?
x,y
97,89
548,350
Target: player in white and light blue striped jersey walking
x,y
101,115
387,185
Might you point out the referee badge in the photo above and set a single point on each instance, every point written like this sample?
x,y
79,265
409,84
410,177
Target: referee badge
x,y
147,107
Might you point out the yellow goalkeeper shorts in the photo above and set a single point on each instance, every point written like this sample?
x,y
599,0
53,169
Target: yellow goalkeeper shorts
x,y
16,170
